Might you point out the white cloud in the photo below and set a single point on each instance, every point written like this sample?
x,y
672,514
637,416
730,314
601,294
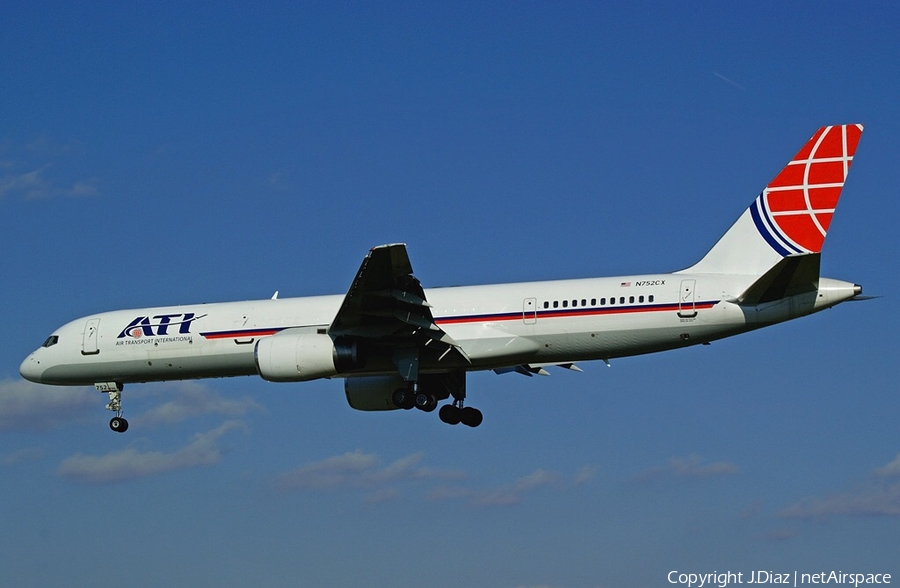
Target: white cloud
x,y
692,466
131,463
28,175
358,470
35,185
81,188
513,493
877,496
866,501
28,406
405,468
584,475
30,184
338,471
535,479
193,399
891,470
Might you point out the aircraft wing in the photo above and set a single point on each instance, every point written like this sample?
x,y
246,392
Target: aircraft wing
x,y
386,302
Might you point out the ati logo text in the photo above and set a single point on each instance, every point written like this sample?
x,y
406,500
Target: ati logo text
x,y
145,326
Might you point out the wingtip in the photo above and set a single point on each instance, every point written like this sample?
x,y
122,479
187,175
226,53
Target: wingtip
x,y
387,246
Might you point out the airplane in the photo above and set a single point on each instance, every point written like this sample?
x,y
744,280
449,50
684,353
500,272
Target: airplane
x,y
399,346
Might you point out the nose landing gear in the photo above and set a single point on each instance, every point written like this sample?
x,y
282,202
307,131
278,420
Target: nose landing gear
x,y
114,389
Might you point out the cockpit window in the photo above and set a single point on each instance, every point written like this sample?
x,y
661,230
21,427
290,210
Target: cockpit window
x,y
51,341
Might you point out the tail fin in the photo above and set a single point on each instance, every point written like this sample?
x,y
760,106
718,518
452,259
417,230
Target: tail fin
x,y
792,214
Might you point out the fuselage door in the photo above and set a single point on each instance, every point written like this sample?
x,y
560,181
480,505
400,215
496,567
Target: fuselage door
x,y
529,311
240,325
89,344
686,300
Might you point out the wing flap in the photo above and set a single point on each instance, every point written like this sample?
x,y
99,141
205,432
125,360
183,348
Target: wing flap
x,y
530,369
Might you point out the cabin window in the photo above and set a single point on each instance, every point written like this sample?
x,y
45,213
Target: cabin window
x,y
621,300
556,304
631,299
650,298
593,302
565,304
546,304
603,302
612,300
641,299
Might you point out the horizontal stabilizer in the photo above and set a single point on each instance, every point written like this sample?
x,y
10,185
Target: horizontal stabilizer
x,y
861,298
794,275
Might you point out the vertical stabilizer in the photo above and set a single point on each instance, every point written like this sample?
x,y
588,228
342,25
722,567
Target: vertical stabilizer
x,y
792,214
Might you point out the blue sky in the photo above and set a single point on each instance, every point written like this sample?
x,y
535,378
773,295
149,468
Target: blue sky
x,y
156,154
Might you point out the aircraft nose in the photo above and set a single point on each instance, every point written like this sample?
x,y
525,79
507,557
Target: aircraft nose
x,y
31,369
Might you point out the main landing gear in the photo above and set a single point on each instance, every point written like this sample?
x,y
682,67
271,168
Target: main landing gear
x,y
455,413
452,414
114,389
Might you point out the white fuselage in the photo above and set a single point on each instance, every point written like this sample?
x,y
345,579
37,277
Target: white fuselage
x,y
497,326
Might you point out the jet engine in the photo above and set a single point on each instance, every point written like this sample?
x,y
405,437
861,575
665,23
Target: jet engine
x,y
297,357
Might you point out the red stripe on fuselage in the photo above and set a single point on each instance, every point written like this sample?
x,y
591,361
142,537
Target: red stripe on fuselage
x,y
497,317
572,312
241,334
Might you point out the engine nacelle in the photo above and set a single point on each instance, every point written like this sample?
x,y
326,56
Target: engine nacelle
x,y
297,357
372,392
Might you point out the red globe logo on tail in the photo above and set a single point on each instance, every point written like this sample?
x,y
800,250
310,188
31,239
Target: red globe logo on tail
x,y
799,203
